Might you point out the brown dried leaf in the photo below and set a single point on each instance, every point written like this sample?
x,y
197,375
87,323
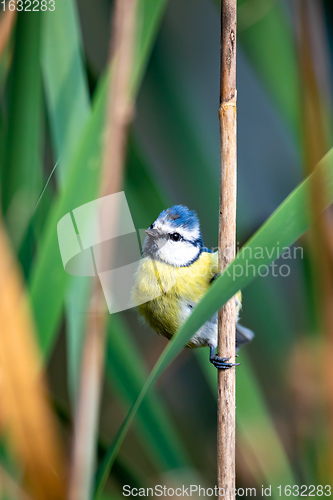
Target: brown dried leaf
x,y
25,411
6,25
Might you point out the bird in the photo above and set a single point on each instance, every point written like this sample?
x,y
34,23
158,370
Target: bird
x,y
174,273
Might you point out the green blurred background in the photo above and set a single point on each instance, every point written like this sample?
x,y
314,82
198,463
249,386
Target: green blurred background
x,y
52,111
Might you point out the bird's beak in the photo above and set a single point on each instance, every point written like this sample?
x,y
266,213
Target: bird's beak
x,y
154,233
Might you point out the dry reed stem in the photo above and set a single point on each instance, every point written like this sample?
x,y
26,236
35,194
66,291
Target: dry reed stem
x,y
119,115
7,21
25,410
226,442
320,235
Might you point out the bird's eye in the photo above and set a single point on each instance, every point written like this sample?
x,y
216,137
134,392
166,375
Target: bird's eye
x,y
175,236
151,226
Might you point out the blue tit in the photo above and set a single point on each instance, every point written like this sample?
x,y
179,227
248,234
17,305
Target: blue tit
x,y
175,271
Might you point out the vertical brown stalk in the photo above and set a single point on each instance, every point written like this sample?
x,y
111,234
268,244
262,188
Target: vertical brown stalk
x,y
320,235
6,27
226,443
119,115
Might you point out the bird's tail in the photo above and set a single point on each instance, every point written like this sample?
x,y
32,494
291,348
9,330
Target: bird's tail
x,y
243,335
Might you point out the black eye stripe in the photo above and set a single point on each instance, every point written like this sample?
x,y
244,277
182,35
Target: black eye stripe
x,y
178,237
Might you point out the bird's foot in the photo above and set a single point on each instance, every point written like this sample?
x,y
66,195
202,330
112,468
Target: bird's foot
x,y
220,363
216,275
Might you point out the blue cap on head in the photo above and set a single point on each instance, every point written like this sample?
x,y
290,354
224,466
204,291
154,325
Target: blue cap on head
x,y
180,216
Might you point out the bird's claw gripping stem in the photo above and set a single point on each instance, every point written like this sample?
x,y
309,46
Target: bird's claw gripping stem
x,y
220,363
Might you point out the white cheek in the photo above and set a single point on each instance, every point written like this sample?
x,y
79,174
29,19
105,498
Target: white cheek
x,y
178,253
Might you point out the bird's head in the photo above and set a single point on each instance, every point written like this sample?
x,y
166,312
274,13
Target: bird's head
x,y
174,237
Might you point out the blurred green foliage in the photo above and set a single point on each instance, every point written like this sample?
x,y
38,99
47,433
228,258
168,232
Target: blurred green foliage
x,y
54,92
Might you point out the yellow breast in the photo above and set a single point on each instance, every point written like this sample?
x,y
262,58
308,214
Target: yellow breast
x,y
161,290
